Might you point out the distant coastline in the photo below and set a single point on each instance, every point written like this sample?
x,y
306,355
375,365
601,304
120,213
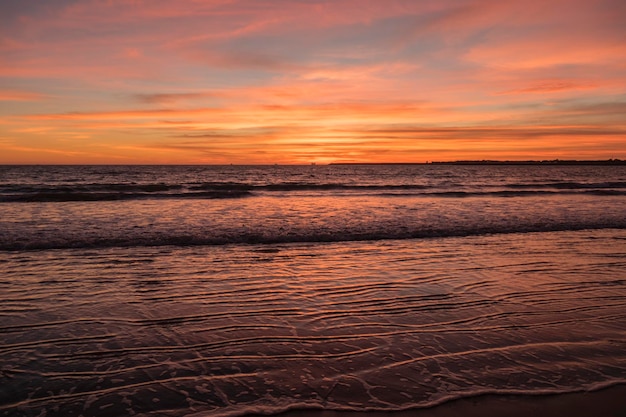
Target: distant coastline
x,y
496,162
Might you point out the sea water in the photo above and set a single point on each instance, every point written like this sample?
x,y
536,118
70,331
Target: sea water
x,y
229,290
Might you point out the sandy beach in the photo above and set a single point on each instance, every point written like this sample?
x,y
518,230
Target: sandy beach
x,y
608,402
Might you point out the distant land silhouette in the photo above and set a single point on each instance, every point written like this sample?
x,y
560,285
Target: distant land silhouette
x,y
496,162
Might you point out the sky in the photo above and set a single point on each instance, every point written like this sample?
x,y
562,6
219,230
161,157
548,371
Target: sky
x,y
310,81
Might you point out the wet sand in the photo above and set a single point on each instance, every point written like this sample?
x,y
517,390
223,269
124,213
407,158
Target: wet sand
x,y
608,402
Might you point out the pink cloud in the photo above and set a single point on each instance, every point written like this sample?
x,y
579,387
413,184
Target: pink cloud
x,y
552,86
529,54
171,98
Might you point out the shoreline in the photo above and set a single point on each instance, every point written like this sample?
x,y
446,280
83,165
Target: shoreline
x,y
604,402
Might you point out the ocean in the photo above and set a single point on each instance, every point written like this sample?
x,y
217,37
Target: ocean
x,y
234,290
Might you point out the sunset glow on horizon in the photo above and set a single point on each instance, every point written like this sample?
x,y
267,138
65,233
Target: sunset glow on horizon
x,y
310,81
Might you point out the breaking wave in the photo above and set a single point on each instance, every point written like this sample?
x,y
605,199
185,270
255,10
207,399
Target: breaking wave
x,y
215,190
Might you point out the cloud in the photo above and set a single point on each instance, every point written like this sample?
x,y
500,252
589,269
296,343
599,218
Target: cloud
x,y
508,133
17,95
172,98
551,86
617,107
537,53
242,59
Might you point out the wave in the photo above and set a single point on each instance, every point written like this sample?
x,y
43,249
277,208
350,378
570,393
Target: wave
x,y
126,238
213,190
56,196
509,193
471,399
569,185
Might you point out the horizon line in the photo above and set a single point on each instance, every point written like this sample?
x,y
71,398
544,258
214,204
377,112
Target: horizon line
x,y
611,161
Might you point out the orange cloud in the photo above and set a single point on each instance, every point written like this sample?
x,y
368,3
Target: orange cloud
x,y
16,95
551,86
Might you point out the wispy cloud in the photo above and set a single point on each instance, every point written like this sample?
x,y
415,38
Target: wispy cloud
x,y
551,86
172,98
17,95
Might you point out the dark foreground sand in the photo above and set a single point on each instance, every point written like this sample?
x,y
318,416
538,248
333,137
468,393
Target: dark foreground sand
x,y
609,402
